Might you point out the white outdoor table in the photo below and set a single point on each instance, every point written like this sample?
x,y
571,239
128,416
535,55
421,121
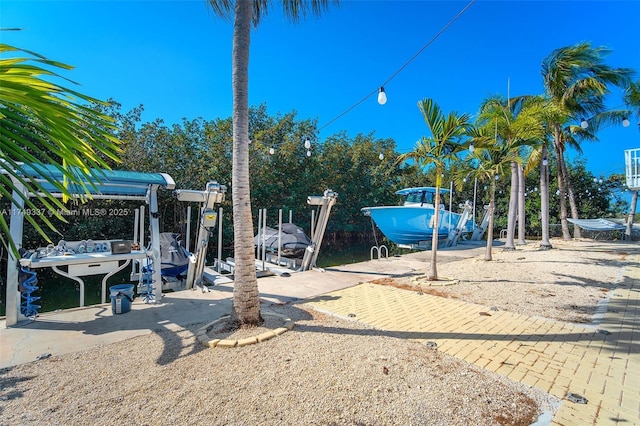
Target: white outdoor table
x,y
85,264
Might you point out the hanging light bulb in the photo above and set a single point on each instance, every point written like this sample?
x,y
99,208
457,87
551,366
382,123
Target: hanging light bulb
x,y
272,150
558,192
471,148
545,161
497,177
382,96
625,122
381,156
584,124
464,179
308,153
307,143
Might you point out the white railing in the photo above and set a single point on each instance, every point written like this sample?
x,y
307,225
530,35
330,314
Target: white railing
x,y
632,168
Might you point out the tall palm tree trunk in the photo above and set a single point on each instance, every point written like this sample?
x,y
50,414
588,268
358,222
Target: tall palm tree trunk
x,y
572,199
246,301
433,271
632,214
513,208
545,244
566,235
492,207
522,215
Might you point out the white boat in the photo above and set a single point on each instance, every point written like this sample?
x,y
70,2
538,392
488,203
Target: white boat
x,y
413,221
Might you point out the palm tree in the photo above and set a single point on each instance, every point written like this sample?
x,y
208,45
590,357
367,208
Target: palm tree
x,y
488,162
43,122
246,302
576,82
514,119
442,147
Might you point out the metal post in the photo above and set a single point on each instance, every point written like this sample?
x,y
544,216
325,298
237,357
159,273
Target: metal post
x,y
136,218
279,234
154,224
313,212
259,234
141,228
188,232
450,202
290,216
16,227
135,265
219,239
264,238
475,189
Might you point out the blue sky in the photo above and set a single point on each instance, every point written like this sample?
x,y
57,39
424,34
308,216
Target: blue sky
x,y
174,57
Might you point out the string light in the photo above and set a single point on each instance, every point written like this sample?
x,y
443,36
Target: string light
x,y
382,96
380,91
625,122
272,150
381,156
307,143
584,123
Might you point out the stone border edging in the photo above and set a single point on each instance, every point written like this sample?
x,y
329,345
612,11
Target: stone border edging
x,y
203,338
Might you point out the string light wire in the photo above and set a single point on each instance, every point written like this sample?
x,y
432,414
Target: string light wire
x,y
375,91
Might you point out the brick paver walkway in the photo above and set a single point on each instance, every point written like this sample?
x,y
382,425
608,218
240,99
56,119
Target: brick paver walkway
x,y
600,363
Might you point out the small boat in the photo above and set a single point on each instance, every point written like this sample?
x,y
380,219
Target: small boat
x,y
412,222
293,240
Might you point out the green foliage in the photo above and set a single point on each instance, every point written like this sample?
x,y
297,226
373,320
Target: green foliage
x,y
44,122
197,151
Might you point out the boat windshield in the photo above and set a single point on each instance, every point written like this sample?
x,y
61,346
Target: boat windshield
x,y
422,197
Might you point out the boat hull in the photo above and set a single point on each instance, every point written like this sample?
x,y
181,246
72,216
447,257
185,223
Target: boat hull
x,y
411,224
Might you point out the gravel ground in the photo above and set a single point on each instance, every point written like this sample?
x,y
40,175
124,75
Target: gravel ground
x,y
326,371
565,284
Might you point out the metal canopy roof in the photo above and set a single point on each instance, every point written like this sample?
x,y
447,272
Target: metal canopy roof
x,y
110,183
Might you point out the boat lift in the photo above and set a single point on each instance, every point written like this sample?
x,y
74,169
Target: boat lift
x,y
111,185
212,196
267,263
478,233
455,234
325,202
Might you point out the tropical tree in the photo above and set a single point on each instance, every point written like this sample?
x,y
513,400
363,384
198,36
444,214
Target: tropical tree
x,y
490,160
438,150
514,120
246,302
576,82
42,122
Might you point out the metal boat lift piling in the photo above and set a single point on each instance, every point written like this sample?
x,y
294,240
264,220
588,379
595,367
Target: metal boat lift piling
x,y
268,263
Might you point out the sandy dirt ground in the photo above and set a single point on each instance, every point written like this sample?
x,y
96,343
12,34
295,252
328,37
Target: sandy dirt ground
x,y
326,371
